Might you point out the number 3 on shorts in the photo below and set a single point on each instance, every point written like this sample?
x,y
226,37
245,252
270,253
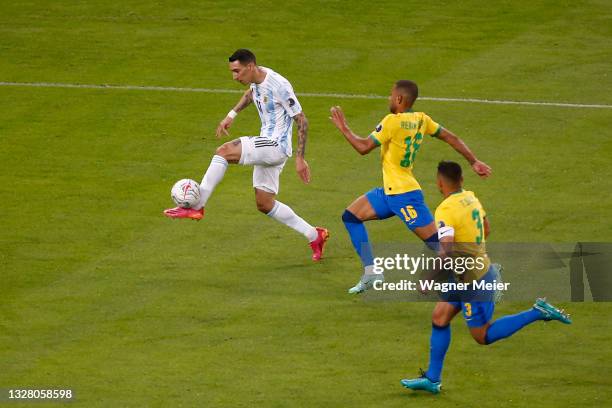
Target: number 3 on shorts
x,y
468,309
409,213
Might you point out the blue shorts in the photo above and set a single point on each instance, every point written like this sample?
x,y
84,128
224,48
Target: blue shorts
x,y
477,314
410,207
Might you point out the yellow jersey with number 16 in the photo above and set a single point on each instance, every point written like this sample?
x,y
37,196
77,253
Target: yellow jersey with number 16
x,y
400,136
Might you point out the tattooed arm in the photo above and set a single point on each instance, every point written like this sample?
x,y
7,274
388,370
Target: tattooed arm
x,y
300,163
244,101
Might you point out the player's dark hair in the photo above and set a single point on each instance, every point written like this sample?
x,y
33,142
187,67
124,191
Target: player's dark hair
x,y
408,88
244,56
450,171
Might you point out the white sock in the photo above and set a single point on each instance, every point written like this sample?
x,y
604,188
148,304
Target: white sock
x,y
213,176
369,270
283,213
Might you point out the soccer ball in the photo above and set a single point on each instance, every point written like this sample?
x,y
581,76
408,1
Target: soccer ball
x,y
185,193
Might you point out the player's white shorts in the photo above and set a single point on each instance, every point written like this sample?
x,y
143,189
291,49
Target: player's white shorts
x,y
267,160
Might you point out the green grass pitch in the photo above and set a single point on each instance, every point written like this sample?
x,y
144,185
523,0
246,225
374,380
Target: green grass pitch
x,y
102,294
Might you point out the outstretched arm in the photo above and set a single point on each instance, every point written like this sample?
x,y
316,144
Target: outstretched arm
x,y
301,166
225,124
362,145
481,168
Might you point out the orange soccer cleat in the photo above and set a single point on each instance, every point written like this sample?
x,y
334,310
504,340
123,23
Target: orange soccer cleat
x,y
318,244
180,212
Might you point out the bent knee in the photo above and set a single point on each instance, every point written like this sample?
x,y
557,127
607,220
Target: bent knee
x,y
349,217
223,150
439,319
482,340
480,336
265,206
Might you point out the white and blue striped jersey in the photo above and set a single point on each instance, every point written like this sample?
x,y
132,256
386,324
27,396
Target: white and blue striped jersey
x,y
277,105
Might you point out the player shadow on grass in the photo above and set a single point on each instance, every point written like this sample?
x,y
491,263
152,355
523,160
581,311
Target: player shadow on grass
x,y
414,396
297,266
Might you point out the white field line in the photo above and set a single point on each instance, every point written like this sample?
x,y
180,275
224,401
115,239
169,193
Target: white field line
x,y
306,94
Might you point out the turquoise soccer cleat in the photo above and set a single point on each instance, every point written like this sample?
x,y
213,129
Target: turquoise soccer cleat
x,y
366,282
422,384
498,294
550,312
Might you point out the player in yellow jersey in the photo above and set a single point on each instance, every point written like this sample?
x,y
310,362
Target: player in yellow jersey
x,y
461,217
462,230
400,135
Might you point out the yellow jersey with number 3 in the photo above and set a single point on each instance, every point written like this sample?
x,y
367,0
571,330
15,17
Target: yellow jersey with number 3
x,y
463,211
400,136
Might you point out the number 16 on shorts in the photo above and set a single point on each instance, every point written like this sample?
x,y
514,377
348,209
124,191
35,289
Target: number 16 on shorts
x,y
409,213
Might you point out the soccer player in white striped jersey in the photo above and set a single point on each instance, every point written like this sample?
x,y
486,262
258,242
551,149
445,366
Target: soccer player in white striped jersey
x,y
278,108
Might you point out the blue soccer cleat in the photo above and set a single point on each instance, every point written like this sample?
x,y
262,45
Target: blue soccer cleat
x,y
422,383
366,282
549,312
